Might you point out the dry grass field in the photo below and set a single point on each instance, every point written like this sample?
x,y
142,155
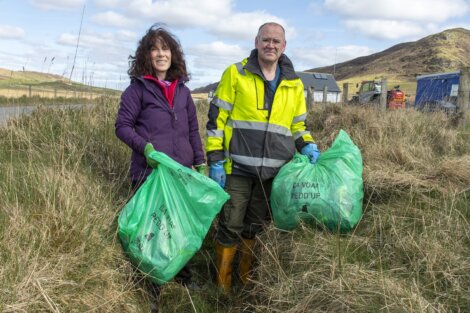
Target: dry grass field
x,y
48,93
63,182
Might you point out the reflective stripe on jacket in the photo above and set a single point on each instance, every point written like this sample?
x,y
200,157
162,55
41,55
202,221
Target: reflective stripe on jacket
x,y
254,140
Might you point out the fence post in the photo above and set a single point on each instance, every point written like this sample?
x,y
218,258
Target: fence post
x,y
463,96
29,90
325,93
345,93
383,95
310,99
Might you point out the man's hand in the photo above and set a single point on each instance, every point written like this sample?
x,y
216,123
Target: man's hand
x,y
311,150
217,173
147,150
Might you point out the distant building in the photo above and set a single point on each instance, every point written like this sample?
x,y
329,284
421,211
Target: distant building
x,y
318,81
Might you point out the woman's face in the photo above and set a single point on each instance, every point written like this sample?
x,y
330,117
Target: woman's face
x,y
160,54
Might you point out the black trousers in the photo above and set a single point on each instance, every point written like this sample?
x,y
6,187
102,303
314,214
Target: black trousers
x,y
244,214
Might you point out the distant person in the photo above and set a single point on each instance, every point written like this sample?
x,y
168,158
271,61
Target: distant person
x,y
158,113
256,124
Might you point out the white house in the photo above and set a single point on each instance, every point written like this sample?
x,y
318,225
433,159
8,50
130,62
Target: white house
x,y
318,82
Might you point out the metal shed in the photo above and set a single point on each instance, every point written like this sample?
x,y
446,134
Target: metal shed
x,y
437,90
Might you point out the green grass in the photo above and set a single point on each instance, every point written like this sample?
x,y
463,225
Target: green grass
x,y
63,181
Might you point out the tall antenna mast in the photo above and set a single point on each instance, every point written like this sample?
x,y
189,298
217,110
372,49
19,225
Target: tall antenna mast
x,y
78,40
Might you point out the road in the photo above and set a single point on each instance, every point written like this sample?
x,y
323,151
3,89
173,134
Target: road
x,y
15,111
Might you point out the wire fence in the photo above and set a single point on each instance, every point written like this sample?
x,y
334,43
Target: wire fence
x,y
30,91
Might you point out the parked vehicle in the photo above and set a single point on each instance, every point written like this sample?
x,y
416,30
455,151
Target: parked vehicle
x,y
369,92
437,92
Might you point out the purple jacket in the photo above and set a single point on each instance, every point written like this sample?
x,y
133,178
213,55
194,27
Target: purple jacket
x,y
145,116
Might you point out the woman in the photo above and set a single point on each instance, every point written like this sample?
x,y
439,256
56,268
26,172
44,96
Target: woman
x,y
158,113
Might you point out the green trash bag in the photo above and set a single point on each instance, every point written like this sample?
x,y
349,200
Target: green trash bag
x,y
165,222
329,192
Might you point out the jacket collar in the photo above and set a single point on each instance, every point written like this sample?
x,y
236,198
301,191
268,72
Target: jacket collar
x,y
147,83
287,69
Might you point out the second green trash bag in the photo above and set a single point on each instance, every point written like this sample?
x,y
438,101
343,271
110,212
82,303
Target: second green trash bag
x,y
165,222
329,192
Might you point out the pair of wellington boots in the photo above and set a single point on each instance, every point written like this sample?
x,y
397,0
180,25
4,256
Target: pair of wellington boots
x,y
224,263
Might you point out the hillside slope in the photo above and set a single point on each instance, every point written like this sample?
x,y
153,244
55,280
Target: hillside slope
x,y
29,76
441,52
43,83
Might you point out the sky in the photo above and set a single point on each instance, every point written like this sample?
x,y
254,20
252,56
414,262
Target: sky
x,y
90,41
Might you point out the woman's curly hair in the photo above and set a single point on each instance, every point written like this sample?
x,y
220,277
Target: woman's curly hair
x,y
141,63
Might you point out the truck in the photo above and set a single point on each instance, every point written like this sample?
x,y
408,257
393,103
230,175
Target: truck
x,y
369,92
437,92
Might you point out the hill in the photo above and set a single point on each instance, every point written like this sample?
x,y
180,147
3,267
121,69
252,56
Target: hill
x,y
29,76
15,84
206,89
442,52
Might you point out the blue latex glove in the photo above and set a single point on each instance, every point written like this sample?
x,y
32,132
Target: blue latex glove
x,y
147,150
311,150
217,173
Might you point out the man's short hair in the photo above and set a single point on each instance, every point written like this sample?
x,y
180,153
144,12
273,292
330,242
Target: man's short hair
x,y
272,24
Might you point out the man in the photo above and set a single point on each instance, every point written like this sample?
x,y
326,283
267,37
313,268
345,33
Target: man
x,y
256,123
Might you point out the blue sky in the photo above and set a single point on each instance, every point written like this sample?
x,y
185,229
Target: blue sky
x,y
41,35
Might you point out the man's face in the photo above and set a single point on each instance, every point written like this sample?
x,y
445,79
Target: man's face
x,y
270,44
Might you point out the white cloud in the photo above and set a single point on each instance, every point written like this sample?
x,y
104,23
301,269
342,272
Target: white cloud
x,y
181,13
106,54
111,18
216,17
232,27
89,40
126,36
57,4
110,3
384,29
216,55
11,32
397,19
305,59
416,10
12,60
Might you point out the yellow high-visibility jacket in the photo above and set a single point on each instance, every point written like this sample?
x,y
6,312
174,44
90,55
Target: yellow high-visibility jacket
x,y
254,137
